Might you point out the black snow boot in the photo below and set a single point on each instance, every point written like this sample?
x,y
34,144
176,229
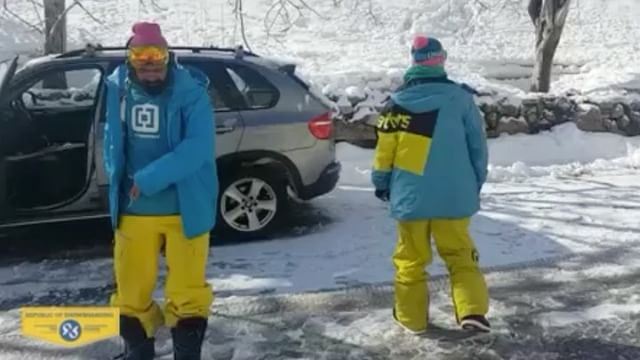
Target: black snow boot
x,y
188,336
137,345
477,323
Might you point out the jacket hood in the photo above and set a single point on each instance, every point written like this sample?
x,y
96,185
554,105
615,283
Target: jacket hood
x,y
189,77
426,97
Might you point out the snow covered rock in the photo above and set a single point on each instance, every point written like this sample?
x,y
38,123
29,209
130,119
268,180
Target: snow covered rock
x,y
512,126
531,115
617,112
355,95
344,106
612,126
492,120
629,125
510,110
359,134
623,121
365,114
550,116
590,119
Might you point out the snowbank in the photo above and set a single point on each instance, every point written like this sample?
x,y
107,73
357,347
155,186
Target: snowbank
x,y
561,145
563,151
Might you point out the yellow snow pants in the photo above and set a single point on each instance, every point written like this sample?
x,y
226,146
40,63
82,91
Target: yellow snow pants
x,y
138,243
413,254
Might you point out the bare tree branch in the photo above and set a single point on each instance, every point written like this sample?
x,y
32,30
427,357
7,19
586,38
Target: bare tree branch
x,y
304,3
240,16
371,14
280,12
482,4
36,3
22,20
154,5
66,11
37,11
269,27
89,13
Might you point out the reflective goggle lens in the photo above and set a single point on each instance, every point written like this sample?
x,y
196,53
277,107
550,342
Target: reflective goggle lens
x,y
148,54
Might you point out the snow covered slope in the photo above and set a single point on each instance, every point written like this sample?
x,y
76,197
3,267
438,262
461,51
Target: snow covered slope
x,y
365,43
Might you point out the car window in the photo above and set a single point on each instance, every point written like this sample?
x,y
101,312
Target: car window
x,y
258,92
223,92
4,67
63,89
218,101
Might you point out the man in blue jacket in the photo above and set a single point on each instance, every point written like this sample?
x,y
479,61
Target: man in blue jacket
x,y
431,163
159,151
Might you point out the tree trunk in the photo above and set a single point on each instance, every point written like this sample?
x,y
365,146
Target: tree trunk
x,y
549,24
55,38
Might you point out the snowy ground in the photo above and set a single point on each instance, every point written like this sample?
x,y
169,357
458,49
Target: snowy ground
x,y
582,308
559,240
354,43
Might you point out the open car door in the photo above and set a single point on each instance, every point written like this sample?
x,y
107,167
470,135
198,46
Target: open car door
x,y
47,171
7,70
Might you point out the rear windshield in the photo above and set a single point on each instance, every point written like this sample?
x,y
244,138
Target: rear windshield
x,y
313,91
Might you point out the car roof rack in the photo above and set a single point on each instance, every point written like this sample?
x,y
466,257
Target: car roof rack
x,y
91,49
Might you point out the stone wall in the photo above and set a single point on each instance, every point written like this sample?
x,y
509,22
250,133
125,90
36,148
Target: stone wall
x,y
357,115
542,113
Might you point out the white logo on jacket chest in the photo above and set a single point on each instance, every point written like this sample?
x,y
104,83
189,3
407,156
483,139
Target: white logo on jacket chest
x,y
145,119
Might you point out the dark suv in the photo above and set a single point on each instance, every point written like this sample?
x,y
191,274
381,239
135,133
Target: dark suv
x,y
274,137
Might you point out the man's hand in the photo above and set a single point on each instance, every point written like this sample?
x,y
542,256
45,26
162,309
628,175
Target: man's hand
x,y
134,193
382,195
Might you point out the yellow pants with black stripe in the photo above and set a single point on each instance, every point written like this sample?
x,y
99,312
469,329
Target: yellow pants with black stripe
x,y
413,255
138,243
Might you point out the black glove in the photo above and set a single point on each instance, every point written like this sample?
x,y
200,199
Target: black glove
x,y
382,195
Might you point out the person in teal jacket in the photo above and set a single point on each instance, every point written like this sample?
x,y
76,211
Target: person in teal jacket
x,y
159,154
431,164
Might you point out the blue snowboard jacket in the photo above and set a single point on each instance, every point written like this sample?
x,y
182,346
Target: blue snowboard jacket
x,y
431,153
191,163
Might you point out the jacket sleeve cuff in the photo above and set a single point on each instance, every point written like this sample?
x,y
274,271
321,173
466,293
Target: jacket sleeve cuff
x,y
381,179
145,184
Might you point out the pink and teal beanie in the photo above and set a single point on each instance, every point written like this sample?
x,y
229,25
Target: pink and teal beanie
x,y
427,51
428,58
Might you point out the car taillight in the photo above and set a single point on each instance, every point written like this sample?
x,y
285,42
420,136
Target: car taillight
x,y
321,127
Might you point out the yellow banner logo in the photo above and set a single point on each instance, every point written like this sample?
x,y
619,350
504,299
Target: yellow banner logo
x,y
70,326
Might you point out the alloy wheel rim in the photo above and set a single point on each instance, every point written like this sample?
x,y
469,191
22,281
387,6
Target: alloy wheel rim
x,y
248,205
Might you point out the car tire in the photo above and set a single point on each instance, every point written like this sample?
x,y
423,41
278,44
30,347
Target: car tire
x,y
252,204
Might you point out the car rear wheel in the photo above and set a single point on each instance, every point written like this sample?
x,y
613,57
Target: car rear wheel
x,y
252,204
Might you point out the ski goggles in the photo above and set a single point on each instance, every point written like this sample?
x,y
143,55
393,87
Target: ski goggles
x,y
141,55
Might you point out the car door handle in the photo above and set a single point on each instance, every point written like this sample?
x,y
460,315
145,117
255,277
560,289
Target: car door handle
x,y
227,126
221,129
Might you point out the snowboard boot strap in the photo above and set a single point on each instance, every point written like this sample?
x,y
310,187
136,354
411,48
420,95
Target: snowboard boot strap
x,y
138,346
188,336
